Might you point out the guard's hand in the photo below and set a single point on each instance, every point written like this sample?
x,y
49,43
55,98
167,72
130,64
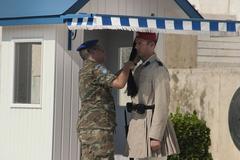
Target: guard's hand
x,y
155,144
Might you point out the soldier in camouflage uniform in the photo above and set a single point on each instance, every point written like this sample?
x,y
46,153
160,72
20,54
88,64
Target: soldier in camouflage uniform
x,y
96,121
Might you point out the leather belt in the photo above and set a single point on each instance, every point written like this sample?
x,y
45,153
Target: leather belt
x,y
139,108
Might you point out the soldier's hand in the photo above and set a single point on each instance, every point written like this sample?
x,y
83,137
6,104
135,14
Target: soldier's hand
x,y
130,65
136,60
155,144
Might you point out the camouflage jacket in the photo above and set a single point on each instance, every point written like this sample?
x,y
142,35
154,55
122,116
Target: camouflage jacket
x,y
97,105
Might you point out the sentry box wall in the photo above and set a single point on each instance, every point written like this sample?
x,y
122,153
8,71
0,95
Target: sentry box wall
x,y
39,99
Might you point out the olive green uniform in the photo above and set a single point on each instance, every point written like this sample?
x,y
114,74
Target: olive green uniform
x,y
96,122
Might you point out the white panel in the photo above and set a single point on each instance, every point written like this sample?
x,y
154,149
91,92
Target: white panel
x,y
153,7
135,7
133,22
122,4
169,24
151,23
145,7
68,63
187,25
161,9
222,27
112,6
94,6
6,136
130,5
57,141
74,108
121,7
116,21
28,133
205,26
101,6
66,105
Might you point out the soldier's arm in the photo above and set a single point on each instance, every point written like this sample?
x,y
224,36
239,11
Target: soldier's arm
x,y
122,76
105,77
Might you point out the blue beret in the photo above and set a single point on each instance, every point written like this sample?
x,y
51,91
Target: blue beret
x,y
87,44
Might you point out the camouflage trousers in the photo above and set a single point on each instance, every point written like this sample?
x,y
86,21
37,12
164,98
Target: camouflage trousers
x,y
96,144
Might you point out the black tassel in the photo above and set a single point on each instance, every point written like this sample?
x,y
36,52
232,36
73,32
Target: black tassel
x,y
132,88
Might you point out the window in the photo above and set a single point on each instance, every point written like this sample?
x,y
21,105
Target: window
x,y
27,72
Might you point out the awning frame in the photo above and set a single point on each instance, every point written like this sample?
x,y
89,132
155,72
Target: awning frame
x,y
150,24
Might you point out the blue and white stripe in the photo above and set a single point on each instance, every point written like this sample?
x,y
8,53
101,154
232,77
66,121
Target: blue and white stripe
x,y
150,24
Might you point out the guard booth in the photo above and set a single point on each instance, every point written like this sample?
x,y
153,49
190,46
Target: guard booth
x,y
206,82
39,67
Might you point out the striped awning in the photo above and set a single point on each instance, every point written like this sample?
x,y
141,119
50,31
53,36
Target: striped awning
x,y
150,24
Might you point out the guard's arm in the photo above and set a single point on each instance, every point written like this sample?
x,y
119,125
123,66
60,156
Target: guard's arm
x,y
162,100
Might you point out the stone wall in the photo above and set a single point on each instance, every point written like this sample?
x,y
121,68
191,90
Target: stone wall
x,y
180,51
209,92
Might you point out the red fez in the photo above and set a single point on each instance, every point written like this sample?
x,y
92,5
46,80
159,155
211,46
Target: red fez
x,y
147,36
